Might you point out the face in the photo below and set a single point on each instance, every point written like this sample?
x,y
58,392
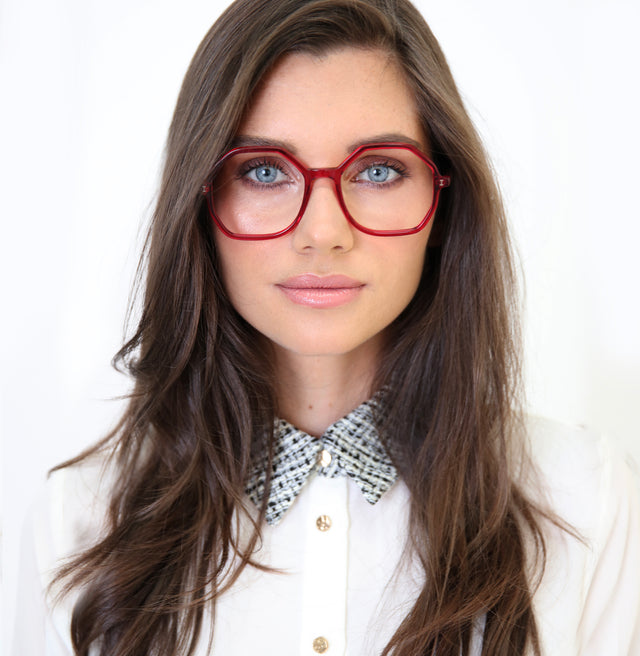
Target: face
x,y
326,288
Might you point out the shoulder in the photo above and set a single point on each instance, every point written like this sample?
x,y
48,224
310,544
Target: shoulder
x,y
578,471
589,599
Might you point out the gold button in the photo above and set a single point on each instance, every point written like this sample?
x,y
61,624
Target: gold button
x,y
320,645
323,523
324,459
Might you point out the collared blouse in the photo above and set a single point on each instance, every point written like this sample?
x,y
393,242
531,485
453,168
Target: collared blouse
x,y
344,585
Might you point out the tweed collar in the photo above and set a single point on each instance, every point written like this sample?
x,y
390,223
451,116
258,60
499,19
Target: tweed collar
x,y
349,447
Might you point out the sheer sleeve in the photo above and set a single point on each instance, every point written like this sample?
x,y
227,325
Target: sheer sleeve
x,y
67,516
610,623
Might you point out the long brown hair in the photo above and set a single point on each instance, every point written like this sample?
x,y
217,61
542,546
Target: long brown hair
x,y
203,393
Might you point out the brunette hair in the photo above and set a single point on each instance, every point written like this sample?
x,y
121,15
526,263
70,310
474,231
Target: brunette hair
x,y
203,399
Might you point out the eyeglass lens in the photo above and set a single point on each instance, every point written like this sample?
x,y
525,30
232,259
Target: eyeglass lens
x,y
384,189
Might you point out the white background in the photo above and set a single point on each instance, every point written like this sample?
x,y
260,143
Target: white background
x,y
87,91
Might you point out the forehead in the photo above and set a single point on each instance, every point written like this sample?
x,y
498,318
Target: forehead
x,y
325,104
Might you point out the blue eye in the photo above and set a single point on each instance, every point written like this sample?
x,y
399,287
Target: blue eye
x,y
379,173
268,173
265,174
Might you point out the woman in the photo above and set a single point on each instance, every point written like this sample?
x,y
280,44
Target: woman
x,y
323,451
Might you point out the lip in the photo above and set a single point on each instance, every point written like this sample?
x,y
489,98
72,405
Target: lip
x,y
321,291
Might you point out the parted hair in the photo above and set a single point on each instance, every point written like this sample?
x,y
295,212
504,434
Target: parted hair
x,y
203,401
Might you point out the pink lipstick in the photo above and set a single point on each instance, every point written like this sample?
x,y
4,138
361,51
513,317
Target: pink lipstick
x,y
321,291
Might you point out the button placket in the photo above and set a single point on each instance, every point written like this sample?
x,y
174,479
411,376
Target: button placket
x,y
323,522
325,571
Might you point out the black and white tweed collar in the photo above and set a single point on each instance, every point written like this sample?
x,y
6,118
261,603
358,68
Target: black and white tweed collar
x,y
353,447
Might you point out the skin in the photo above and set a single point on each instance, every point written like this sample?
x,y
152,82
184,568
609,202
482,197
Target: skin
x,y
320,108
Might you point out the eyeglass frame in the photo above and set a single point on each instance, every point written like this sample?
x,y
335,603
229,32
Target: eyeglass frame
x,y
310,175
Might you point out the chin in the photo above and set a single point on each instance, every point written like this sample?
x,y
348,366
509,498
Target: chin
x,y
311,345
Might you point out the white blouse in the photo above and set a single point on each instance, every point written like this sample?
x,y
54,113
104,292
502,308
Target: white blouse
x,y
345,588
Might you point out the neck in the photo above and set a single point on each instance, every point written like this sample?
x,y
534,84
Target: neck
x,y
314,391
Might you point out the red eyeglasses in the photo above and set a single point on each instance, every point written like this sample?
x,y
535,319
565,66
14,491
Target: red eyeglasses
x,y
384,189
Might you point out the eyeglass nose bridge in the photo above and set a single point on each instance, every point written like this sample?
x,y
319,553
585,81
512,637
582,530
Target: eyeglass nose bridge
x,y
335,173
310,176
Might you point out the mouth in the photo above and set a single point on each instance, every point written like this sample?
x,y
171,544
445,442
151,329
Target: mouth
x,y
321,291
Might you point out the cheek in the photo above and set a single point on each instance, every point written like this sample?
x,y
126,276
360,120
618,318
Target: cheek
x,y
399,274
245,271
406,279
233,269
405,267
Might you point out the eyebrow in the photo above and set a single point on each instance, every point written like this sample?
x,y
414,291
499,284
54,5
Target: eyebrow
x,y
265,142
243,140
387,137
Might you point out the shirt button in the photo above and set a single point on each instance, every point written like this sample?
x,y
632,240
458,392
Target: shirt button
x,y
324,459
323,523
320,645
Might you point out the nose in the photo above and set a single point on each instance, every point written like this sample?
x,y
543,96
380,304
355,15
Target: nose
x,y
323,226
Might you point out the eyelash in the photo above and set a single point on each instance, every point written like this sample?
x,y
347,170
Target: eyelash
x,y
395,166
252,165
360,167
